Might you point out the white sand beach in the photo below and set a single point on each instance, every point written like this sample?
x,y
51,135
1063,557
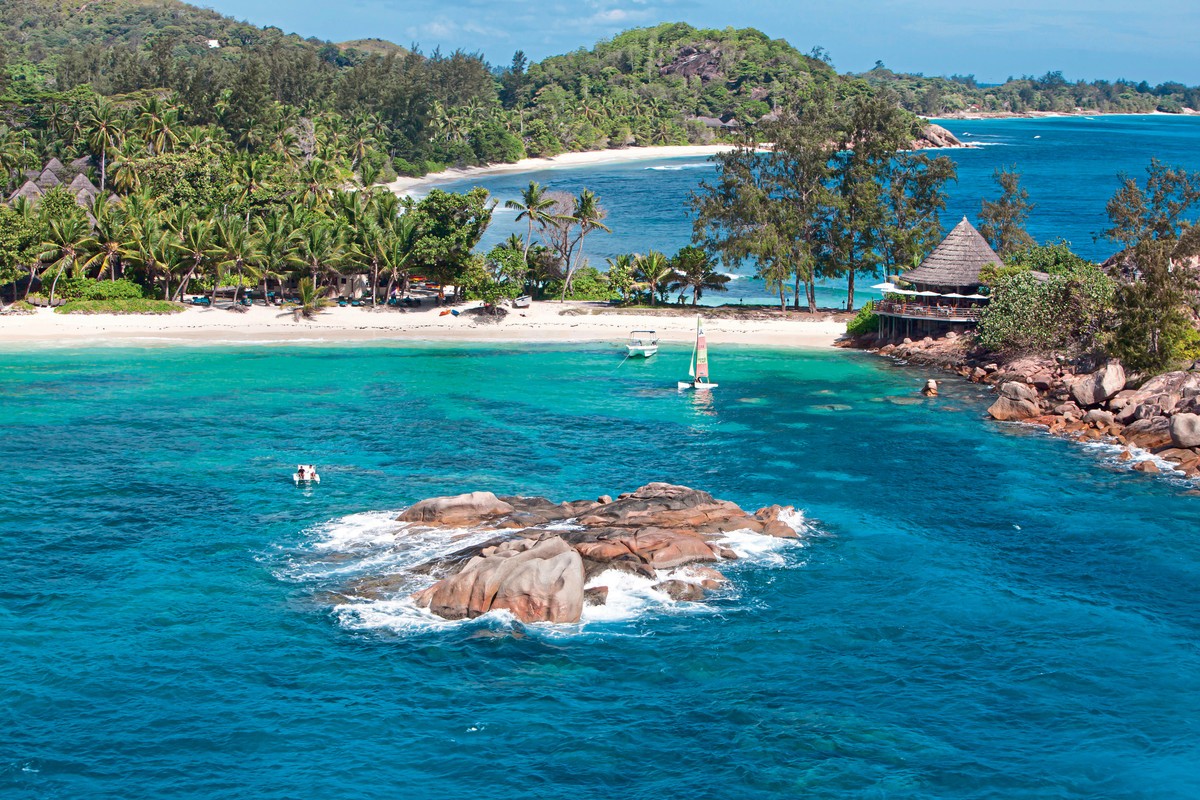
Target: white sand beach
x,y
543,322
416,186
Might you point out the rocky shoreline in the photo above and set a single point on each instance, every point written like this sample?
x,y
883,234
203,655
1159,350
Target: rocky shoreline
x,y
548,560
1075,400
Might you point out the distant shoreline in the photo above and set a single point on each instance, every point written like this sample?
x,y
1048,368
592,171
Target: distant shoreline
x,y
960,116
624,155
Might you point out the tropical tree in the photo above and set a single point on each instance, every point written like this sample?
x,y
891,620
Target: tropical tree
x,y
197,246
103,128
588,216
238,254
318,249
535,208
696,270
67,241
655,274
112,239
1002,221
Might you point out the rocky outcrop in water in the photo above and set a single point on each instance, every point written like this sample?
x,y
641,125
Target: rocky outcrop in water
x,y
539,573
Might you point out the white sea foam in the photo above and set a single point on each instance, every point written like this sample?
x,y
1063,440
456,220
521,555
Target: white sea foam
x,y
678,167
1110,451
373,545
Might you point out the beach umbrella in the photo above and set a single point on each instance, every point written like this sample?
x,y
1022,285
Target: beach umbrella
x,y
976,297
903,291
885,287
956,296
927,293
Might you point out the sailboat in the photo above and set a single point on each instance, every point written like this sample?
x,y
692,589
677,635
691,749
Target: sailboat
x,y
699,366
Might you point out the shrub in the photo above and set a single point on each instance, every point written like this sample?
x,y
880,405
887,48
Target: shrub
x,y
92,289
588,283
865,321
1067,312
121,306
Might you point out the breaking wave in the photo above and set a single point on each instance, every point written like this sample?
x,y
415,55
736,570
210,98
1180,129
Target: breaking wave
x,y
378,554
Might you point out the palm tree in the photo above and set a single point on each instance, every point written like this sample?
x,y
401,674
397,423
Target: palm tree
x,y
104,129
125,175
534,207
249,178
696,270
197,247
68,240
238,254
275,240
318,249
158,123
111,241
588,214
656,272
400,249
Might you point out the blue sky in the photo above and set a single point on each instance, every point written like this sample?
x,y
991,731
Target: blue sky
x,y
1153,40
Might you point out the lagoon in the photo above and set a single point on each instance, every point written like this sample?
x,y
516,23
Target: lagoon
x,y
978,610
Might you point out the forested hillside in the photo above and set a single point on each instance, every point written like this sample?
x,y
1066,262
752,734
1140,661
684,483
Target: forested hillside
x,y
1051,92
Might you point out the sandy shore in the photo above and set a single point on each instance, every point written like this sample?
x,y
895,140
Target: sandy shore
x,y
416,186
543,322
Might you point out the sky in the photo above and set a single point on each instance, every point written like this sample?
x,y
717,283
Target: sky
x,y
1150,40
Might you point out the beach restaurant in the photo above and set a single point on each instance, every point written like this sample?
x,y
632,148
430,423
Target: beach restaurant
x,y
944,292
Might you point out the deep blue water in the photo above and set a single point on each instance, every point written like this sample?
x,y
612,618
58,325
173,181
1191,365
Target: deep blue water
x,y
1069,165
978,612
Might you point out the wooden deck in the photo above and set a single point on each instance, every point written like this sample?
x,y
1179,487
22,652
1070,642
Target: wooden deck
x,y
891,308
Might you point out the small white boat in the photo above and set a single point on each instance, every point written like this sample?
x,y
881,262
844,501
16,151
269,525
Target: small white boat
x,y
698,370
305,473
642,343
522,302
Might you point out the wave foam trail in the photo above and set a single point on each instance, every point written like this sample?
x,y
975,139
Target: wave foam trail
x,y
677,167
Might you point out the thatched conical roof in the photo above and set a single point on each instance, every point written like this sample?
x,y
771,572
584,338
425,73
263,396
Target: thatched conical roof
x,y
82,184
956,262
48,180
55,166
29,190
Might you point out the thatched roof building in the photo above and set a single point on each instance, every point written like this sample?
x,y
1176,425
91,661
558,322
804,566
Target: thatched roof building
x,y
83,184
956,262
29,190
48,180
56,166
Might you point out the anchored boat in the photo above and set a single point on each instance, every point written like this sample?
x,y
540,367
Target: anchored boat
x,y
699,366
642,343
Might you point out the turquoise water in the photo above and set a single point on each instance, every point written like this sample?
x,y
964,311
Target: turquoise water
x,y
978,611
1069,165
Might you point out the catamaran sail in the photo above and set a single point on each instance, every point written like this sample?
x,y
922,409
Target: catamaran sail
x,y
698,368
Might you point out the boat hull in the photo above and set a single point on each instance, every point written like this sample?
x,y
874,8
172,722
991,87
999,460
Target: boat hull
x,y
698,386
641,351
300,480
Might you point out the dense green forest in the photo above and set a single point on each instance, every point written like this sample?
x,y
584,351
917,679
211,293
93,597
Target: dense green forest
x,y
1052,92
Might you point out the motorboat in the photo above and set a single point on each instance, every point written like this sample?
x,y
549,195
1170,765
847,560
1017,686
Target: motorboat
x,y
522,302
642,344
306,473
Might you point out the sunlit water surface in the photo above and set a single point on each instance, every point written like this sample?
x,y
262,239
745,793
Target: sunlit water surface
x,y
978,611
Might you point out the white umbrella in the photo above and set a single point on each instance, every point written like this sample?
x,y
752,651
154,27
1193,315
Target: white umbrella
x,y
927,293
903,291
885,287
956,296
976,297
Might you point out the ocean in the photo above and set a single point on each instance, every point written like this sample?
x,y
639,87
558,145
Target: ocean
x,y
975,610
1070,166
